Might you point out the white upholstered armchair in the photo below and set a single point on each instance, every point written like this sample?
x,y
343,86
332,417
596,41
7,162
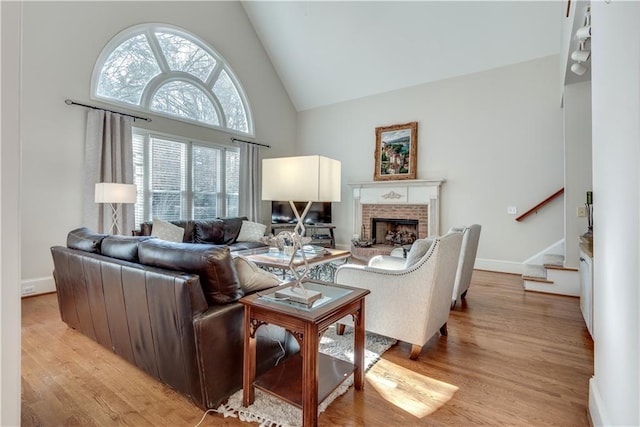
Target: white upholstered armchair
x,y
470,238
410,303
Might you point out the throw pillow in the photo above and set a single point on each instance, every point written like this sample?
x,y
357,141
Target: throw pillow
x,y
252,278
251,232
166,231
419,248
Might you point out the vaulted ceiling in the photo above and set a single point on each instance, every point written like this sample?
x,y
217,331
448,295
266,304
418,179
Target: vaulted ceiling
x,y
327,52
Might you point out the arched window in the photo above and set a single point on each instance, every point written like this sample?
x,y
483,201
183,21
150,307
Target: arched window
x,y
167,71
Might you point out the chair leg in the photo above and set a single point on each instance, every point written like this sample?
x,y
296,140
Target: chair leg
x,y
453,304
415,351
443,330
340,328
464,294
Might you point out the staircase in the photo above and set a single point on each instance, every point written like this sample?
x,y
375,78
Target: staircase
x,y
552,277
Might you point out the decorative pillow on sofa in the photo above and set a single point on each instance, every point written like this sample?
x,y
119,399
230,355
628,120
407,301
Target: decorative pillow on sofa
x,y
251,232
253,278
419,248
166,231
212,263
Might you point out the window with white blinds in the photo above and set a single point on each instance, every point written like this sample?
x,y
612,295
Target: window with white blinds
x,y
179,179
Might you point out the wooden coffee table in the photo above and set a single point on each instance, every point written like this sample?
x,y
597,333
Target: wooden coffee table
x,y
307,378
321,266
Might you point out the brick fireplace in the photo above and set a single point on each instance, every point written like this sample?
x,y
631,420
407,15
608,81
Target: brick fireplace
x,y
400,200
371,213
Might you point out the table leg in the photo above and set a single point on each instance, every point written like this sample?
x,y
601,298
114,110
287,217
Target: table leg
x,y
358,349
309,353
249,361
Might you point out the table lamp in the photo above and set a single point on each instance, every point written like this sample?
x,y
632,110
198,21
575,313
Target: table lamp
x,y
301,178
114,193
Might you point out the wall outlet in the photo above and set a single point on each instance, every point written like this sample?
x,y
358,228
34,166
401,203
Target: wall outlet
x,y
28,289
512,210
581,211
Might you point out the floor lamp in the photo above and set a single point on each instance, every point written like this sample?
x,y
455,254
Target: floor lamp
x,y
302,178
113,194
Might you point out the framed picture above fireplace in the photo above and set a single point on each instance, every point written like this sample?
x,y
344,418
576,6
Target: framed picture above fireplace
x,y
396,152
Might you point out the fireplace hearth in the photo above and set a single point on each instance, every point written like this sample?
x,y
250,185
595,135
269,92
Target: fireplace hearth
x,y
394,232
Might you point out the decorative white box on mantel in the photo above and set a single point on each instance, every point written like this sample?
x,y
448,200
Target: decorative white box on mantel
x,y
409,192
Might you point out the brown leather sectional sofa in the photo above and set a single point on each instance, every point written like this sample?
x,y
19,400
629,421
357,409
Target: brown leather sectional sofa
x,y
169,308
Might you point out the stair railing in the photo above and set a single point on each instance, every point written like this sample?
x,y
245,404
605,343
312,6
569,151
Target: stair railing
x,y
540,205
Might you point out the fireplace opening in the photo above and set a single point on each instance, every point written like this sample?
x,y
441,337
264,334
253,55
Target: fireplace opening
x,y
389,231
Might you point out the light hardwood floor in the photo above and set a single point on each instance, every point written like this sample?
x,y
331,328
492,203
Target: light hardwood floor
x,y
511,358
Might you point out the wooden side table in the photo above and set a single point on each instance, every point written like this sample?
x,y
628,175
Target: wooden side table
x,y
307,378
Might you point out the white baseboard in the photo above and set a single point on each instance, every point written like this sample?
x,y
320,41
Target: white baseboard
x,y
41,285
596,406
499,265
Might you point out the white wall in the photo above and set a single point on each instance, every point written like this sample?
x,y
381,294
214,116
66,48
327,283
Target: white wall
x,y
10,308
61,43
614,389
496,137
577,167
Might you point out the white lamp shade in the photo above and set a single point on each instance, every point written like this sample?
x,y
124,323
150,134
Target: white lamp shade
x,y
112,192
302,178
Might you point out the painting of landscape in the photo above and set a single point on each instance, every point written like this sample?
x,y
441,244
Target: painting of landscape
x,y
396,152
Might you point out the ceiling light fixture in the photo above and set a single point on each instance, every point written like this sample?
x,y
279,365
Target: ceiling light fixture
x,y
583,33
582,54
579,68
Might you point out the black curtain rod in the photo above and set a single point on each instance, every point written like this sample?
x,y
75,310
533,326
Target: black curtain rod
x,y
250,142
70,102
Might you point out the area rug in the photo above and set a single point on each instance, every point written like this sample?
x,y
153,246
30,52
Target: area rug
x,y
273,412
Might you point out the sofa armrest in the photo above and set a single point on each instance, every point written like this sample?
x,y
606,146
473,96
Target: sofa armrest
x,y
219,334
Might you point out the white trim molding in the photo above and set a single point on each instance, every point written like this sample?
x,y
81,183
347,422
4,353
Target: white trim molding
x,y
409,192
596,405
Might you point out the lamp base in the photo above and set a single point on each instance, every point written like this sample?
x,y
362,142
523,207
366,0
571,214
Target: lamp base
x,y
299,294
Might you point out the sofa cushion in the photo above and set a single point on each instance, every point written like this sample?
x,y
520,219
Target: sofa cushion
x,y
212,263
232,228
166,231
85,240
123,247
253,278
251,232
209,232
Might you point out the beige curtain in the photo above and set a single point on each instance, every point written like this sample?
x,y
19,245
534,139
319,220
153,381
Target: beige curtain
x,y
250,201
108,158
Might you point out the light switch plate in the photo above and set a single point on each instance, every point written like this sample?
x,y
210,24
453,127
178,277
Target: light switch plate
x,y
581,211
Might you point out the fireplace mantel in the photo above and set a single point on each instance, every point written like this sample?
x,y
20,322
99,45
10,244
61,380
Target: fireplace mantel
x,y
409,192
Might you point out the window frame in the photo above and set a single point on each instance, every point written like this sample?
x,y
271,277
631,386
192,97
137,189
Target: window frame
x,y
166,75
221,202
